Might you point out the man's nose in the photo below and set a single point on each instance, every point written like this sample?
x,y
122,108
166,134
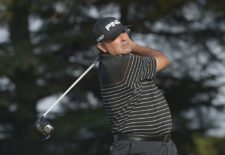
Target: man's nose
x,y
122,36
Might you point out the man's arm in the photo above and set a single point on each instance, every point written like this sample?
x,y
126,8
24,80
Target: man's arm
x,y
162,60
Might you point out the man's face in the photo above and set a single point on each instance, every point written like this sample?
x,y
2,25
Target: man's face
x,y
120,45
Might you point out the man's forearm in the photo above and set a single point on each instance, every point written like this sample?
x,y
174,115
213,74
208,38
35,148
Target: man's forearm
x,y
144,51
161,59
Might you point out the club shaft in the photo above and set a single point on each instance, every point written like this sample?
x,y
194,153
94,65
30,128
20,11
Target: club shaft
x,y
60,98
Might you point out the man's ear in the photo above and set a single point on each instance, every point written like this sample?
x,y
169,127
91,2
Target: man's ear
x,y
101,46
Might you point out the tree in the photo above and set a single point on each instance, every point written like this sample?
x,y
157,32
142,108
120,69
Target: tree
x,y
43,62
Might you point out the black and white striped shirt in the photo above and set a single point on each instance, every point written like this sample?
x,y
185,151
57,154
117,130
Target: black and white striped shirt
x,y
131,98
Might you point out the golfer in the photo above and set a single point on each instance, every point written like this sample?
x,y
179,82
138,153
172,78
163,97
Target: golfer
x,y
138,112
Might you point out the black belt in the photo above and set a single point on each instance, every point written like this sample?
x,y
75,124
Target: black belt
x,y
135,137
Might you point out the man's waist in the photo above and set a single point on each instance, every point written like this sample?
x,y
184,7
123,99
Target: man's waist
x,y
141,137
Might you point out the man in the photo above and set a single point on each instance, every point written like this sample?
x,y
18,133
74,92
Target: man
x,y
137,110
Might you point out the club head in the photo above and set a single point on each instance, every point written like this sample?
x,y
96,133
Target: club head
x,y
43,128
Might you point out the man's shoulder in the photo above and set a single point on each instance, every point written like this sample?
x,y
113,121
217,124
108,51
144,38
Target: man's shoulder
x,y
114,61
112,68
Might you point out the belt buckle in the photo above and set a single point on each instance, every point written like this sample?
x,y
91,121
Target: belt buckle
x,y
136,138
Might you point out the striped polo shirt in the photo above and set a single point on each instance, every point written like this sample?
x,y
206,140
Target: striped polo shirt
x,y
131,99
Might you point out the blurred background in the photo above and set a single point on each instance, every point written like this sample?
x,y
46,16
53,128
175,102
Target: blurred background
x,y
45,45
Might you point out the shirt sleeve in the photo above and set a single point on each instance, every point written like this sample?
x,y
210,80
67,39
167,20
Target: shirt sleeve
x,y
140,68
148,67
128,69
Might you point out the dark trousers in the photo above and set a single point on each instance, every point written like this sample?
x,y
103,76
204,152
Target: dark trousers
x,y
131,147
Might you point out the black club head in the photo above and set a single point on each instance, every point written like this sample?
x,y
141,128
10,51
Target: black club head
x,y
43,128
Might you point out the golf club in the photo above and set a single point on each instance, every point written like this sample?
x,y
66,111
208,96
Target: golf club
x,y
43,127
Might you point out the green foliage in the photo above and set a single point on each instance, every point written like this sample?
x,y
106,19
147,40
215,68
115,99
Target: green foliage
x,y
44,62
205,146
217,5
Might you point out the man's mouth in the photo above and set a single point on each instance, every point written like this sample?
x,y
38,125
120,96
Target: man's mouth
x,y
124,44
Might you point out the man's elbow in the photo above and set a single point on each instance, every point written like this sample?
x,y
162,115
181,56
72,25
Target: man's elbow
x,y
162,63
167,62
